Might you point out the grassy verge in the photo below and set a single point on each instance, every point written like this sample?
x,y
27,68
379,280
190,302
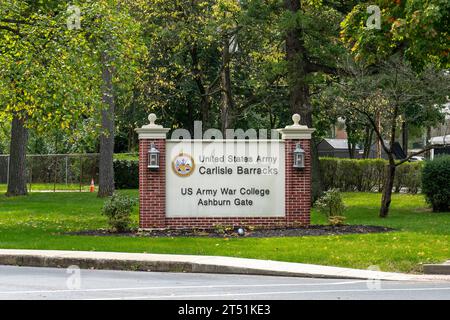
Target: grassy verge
x,y
58,187
39,221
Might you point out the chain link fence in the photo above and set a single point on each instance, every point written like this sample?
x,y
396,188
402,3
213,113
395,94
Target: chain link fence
x,y
56,172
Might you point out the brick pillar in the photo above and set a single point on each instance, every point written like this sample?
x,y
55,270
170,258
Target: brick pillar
x,y
152,183
298,185
298,181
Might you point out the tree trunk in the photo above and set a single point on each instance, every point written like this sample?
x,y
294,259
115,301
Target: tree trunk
x,y
106,168
204,92
405,135
387,191
299,88
190,117
367,142
390,174
17,179
295,56
349,149
378,141
351,146
227,104
428,138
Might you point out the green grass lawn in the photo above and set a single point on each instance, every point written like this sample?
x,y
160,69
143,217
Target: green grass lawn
x,y
39,220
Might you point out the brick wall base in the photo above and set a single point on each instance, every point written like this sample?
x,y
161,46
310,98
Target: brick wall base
x,y
209,223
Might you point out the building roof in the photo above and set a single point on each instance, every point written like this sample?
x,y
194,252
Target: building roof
x,y
340,144
440,140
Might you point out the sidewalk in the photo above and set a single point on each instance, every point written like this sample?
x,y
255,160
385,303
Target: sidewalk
x,y
194,264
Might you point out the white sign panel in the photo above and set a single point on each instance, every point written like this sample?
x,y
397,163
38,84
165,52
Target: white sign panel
x,y
223,178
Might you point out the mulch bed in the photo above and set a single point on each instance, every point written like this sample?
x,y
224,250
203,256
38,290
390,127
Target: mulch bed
x,y
313,230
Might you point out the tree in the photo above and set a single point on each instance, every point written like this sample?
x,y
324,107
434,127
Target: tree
x,y
389,93
181,72
286,50
331,107
216,61
311,31
41,77
417,32
113,39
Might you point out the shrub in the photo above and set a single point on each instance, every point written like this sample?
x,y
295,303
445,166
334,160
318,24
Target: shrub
x,y
118,210
367,175
126,156
328,170
126,174
332,206
436,183
408,175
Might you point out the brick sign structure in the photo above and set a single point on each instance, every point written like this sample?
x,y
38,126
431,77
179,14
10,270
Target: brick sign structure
x,y
205,183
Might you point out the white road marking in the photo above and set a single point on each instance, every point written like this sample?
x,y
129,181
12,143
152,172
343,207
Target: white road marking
x,y
266,293
183,287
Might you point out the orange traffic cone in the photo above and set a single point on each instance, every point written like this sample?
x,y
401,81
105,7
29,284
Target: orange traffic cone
x,y
92,187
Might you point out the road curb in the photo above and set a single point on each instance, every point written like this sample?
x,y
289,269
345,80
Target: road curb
x,y
443,268
148,266
193,264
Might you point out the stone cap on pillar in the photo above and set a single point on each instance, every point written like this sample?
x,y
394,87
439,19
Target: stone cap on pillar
x,y
152,130
296,131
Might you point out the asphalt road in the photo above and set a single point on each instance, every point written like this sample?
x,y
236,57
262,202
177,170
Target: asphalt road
x,y
50,283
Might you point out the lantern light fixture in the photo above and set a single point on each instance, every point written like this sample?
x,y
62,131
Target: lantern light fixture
x,y
299,157
153,158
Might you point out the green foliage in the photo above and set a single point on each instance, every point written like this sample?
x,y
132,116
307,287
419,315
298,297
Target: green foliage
x,y
436,183
4,137
332,206
351,174
368,174
126,173
44,76
126,156
417,28
52,76
186,43
118,210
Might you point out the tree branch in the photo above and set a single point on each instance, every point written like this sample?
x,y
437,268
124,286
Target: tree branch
x,y
15,21
318,67
427,148
15,31
375,129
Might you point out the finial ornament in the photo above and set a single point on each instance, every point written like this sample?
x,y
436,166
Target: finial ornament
x,y
296,119
152,119
152,130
